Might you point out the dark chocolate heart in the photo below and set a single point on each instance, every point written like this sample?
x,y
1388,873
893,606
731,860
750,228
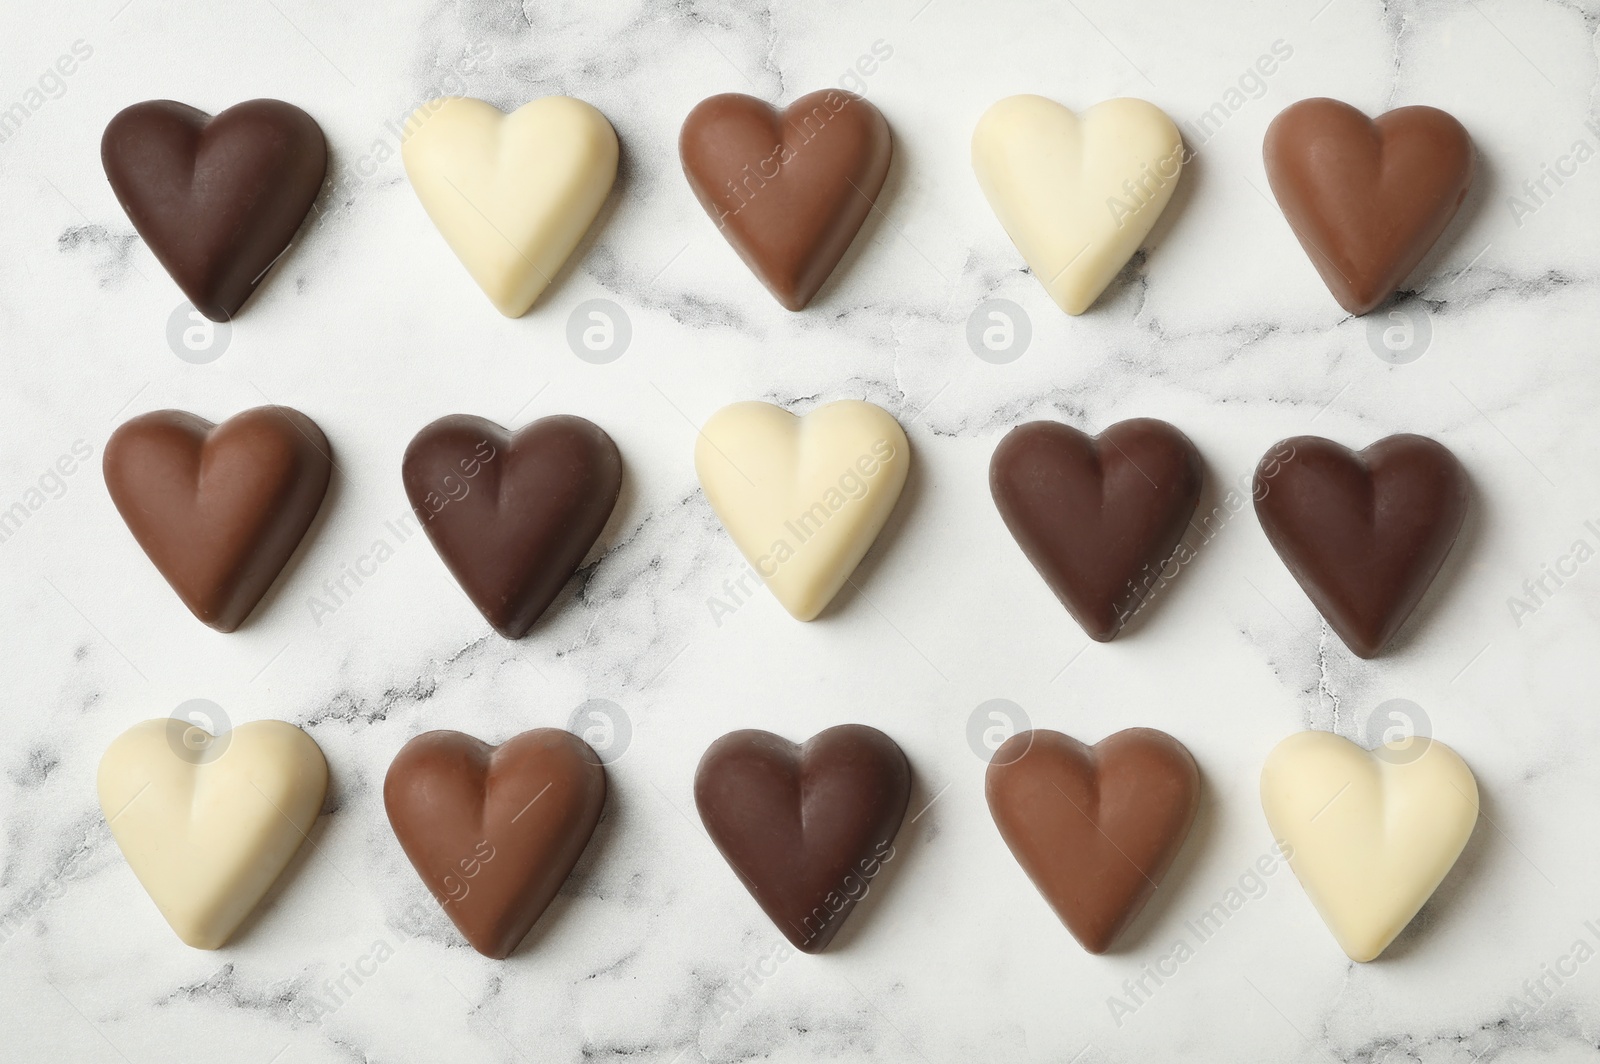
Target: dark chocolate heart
x,y
494,830
512,514
218,508
1098,516
1366,199
805,828
787,189
216,199
1095,827
1363,532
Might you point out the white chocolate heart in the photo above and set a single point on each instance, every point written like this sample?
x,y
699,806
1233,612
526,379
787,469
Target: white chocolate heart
x,y
1077,195
207,837
512,194
1369,835
803,497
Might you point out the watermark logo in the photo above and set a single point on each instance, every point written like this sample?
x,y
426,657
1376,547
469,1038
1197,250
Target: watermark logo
x,y
198,731
998,331
991,724
51,84
1249,886
605,726
599,331
51,484
1401,335
194,337
1392,729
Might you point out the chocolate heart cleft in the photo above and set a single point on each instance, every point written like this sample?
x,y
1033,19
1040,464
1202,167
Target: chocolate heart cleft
x,y
1367,198
1098,516
788,189
494,831
805,828
1095,827
218,200
219,509
1363,532
512,514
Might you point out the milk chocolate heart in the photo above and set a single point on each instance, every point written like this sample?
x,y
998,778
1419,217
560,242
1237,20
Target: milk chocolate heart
x,y
512,514
494,830
1366,199
216,199
1098,516
805,828
219,509
1363,532
787,189
1095,827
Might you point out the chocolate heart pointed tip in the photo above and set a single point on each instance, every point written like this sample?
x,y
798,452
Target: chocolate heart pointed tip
x,y
221,538
217,200
512,515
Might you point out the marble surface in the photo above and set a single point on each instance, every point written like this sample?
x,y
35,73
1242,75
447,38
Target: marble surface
x,y
653,952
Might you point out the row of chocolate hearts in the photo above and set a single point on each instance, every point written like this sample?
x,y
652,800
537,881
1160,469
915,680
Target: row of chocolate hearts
x,y
218,200
219,509
495,831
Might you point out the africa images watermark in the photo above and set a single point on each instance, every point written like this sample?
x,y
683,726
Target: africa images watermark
x,y
50,485
1555,574
1250,886
339,589
1539,990
851,486
50,85
753,177
734,994
337,990
1141,191
1252,485
1537,191
386,146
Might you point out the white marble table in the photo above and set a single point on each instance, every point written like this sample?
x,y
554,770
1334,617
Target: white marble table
x,y
653,952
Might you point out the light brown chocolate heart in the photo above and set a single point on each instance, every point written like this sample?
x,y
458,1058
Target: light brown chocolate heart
x,y
1367,199
494,830
1095,827
219,509
787,189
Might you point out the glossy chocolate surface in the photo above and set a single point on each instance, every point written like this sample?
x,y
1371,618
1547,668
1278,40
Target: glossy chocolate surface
x,y
1364,532
494,831
512,513
218,200
1095,827
807,827
219,509
1098,516
1367,198
788,189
